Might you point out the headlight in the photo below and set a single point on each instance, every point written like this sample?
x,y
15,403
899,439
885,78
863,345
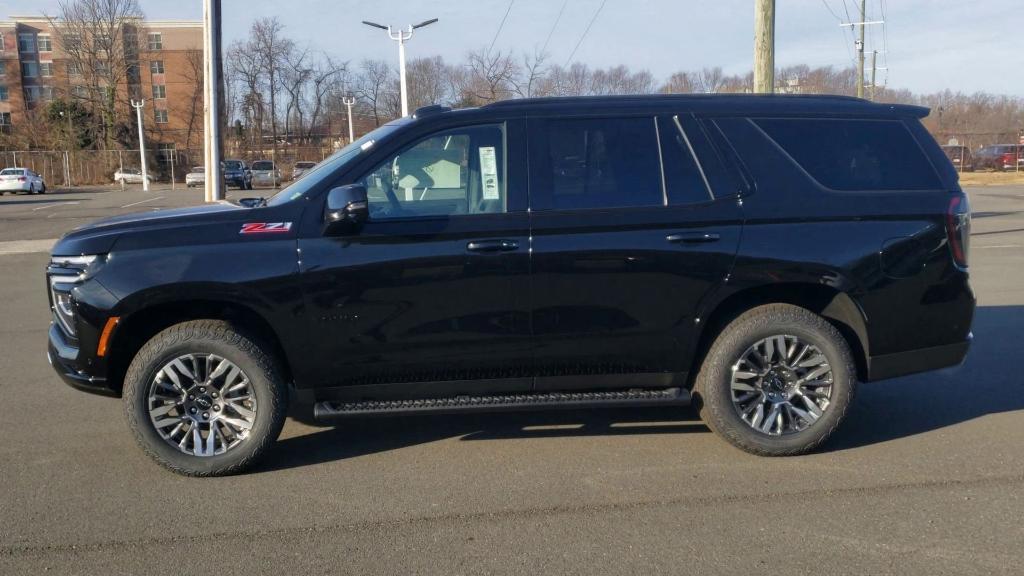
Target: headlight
x,y
64,273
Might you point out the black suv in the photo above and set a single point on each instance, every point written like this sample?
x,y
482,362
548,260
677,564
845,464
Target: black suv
x,y
756,255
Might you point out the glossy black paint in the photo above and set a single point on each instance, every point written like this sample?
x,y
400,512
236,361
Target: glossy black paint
x,y
540,299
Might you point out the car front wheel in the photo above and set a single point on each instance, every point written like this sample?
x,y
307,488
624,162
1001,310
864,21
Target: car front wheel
x,y
777,381
204,399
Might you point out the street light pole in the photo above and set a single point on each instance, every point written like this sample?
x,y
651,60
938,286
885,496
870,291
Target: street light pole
x,y
142,142
348,101
401,36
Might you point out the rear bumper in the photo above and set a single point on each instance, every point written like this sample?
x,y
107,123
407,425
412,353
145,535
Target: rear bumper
x,y
920,360
14,187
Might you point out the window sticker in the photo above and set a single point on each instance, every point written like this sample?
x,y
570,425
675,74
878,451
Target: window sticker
x,y
489,173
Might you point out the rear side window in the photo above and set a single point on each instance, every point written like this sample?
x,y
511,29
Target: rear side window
x,y
854,155
603,163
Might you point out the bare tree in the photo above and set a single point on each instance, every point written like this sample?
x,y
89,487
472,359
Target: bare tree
x,y
244,67
100,42
491,76
193,106
325,78
272,48
531,81
375,85
427,82
294,75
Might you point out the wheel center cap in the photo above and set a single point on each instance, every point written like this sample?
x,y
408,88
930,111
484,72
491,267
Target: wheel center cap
x,y
204,403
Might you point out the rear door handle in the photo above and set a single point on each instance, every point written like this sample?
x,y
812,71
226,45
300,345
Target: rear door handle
x,y
492,246
693,237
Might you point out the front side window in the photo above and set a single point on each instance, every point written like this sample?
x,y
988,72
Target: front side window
x,y
852,155
456,172
603,163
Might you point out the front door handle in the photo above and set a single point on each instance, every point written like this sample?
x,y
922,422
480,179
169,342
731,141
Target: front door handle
x,y
492,246
693,237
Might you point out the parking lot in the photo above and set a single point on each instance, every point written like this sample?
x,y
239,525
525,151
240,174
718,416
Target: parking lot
x,y
925,477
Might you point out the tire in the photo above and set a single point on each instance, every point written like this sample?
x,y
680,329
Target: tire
x,y
714,385
201,338
43,191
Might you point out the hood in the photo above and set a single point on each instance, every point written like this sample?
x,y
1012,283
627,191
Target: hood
x,y
98,237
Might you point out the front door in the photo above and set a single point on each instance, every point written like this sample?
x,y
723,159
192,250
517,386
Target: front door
x,y
434,288
628,239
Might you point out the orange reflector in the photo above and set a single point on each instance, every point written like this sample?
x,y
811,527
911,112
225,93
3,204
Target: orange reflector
x,y
101,349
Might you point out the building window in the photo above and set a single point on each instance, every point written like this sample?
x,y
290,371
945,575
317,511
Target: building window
x,y
46,69
38,93
80,92
2,43
159,91
102,67
165,152
101,42
72,42
156,41
3,93
45,43
29,69
133,74
131,44
3,68
74,69
156,67
27,43
5,119
160,116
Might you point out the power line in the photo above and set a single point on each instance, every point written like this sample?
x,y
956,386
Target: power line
x,y
842,31
500,26
591,23
553,26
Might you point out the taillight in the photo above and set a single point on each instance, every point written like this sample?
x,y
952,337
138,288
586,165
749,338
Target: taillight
x,y
1008,158
958,228
22,179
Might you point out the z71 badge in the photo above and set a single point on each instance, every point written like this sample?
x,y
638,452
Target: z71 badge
x,y
265,227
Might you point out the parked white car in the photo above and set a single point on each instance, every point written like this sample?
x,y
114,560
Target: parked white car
x,y
197,177
131,176
21,180
264,173
301,168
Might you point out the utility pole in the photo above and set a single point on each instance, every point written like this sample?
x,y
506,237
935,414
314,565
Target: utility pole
x,y
142,142
874,68
401,36
348,101
860,51
213,96
764,46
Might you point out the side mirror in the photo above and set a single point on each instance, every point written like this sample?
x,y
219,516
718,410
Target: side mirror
x,y
347,209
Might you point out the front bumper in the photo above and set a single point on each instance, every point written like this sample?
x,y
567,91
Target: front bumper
x,y
73,370
920,360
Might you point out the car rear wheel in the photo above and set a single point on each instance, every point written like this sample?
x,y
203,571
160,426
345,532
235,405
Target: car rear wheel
x,y
204,399
777,381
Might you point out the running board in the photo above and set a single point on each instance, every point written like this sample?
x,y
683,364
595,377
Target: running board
x,y
501,403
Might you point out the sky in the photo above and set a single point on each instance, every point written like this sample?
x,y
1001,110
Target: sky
x,y
929,45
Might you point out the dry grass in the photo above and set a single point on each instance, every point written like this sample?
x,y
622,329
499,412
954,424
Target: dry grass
x,y
991,178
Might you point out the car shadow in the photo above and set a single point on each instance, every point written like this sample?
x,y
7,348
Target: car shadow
x,y
987,383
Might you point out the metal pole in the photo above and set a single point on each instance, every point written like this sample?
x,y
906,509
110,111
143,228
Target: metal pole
x,y
348,102
874,56
860,51
402,37
142,143
212,90
120,163
764,46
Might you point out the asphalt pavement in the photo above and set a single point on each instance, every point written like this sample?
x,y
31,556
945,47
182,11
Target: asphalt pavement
x,y
925,477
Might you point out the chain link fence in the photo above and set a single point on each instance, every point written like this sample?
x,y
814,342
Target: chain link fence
x,y
97,167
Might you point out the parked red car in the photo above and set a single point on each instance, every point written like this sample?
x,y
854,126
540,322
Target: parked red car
x,y
999,157
961,157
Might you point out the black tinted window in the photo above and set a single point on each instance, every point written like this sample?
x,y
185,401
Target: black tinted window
x,y
855,154
262,165
604,163
683,178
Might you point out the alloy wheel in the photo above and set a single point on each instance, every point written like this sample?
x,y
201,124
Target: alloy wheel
x,y
202,404
781,385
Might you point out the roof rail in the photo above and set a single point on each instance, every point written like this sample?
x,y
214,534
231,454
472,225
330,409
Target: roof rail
x,y
514,102
430,110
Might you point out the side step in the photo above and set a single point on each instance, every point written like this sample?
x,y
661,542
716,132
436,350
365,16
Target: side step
x,y
541,401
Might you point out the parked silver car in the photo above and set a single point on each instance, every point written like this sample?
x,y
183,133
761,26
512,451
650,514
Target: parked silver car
x,y
264,173
131,176
197,177
21,180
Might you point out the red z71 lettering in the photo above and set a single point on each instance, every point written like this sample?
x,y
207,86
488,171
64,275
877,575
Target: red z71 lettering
x,y
265,227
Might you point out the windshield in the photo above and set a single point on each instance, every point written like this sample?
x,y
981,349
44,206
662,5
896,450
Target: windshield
x,y
232,164
263,165
333,162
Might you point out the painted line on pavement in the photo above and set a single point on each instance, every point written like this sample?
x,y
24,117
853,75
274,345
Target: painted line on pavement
x,y
1003,246
142,201
45,206
26,246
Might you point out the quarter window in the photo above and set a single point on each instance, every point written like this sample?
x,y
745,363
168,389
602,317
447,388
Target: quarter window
x,y
684,178
456,172
603,163
854,154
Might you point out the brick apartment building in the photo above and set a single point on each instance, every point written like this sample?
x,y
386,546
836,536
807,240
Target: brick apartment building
x,y
164,66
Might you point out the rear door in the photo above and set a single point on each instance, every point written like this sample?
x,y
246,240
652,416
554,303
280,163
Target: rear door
x,y
630,234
